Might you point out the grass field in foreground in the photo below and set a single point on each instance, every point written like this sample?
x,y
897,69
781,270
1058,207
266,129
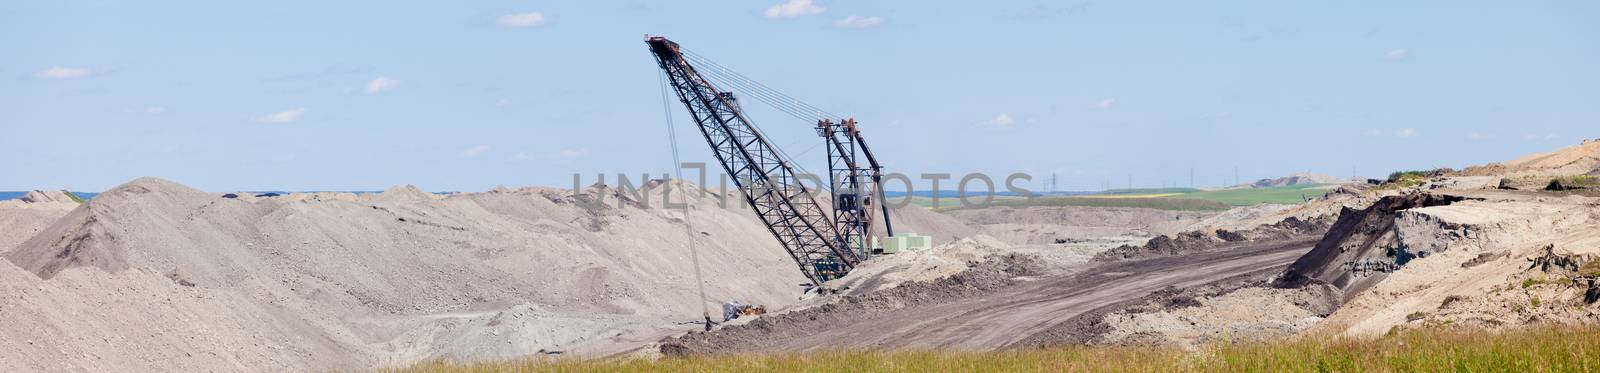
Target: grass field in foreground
x,y
1545,349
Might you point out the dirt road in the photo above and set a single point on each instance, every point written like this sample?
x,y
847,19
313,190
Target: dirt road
x,y
1012,314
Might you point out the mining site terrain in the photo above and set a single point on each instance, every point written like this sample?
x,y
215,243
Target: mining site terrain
x,y
153,275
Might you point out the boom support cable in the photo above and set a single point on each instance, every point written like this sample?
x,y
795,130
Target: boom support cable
x,y
726,77
815,112
688,230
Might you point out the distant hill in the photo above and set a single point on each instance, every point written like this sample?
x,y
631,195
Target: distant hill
x,y
1294,179
9,195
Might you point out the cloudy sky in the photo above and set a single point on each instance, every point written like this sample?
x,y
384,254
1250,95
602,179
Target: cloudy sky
x,y
362,95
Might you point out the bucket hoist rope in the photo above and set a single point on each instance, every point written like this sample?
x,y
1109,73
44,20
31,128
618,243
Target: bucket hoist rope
x,y
688,229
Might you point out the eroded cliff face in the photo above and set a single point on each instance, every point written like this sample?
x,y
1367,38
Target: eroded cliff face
x,y
1364,245
1488,258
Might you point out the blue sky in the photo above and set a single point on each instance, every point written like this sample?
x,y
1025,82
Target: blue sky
x,y
362,95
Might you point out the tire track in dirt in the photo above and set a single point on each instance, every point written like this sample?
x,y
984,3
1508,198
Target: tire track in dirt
x,y
1012,314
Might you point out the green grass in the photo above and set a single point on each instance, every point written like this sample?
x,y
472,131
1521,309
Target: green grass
x,y
1405,179
1578,181
73,196
1295,194
1592,268
1544,349
1150,190
1586,180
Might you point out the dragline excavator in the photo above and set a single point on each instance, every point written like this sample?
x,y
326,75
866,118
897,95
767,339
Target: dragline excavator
x,y
826,245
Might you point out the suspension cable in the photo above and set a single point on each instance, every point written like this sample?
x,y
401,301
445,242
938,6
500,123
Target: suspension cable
x,y
773,98
794,109
757,84
688,230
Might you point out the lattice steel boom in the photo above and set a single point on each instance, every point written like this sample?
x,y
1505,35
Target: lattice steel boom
x,y
768,181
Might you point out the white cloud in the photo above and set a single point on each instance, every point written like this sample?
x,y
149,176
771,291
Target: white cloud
x,y
570,154
1106,103
60,72
859,22
562,156
282,116
155,110
1001,122
380,84
530,19
1546,137
1397,54
474,151
1402,133
502,102
794,8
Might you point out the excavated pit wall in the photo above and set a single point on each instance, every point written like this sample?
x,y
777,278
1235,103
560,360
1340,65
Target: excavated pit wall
x,y
1363,246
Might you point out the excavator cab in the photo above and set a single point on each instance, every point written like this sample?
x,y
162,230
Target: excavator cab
x,y
847,201
829,269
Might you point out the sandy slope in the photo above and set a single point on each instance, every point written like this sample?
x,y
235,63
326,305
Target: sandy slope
x,y
22,218
1578,159
152,275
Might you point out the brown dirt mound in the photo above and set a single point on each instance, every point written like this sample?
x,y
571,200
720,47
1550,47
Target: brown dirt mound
x,y
21,219
1574,160
1295,179
45,196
